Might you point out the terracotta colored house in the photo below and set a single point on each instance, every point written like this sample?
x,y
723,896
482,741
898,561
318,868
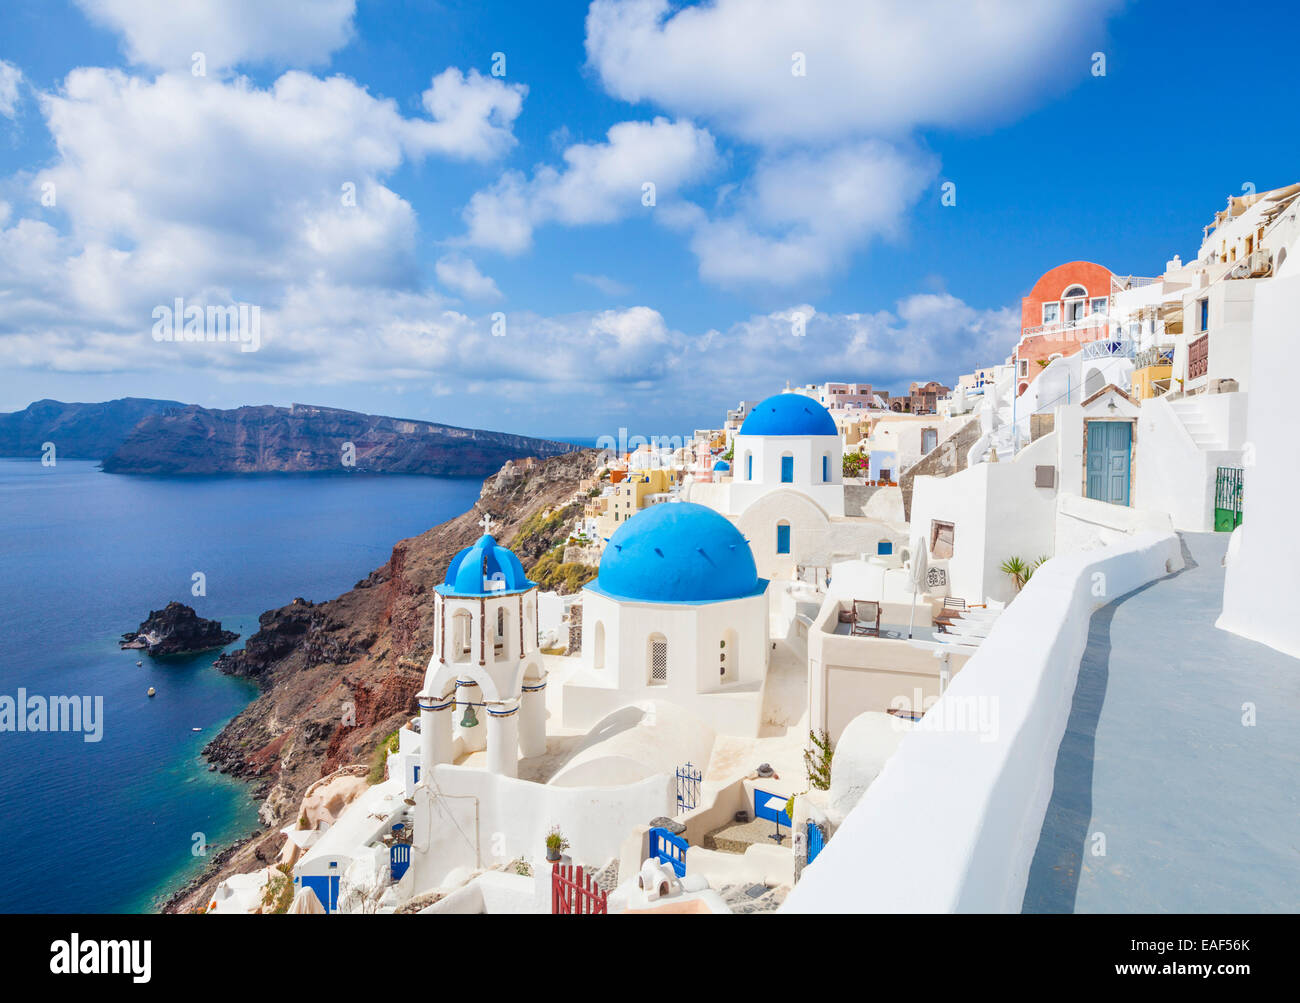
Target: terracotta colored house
x,y
1068,307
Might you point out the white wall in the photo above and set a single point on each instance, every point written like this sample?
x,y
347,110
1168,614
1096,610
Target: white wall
x,y
952,822
1170,472
484,819
1262,577
693,633
807,452
996,512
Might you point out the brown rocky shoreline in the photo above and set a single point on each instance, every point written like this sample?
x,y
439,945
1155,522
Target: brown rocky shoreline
x,y
337,677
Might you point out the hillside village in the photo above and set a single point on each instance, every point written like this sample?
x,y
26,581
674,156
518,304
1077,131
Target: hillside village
x,y
830,655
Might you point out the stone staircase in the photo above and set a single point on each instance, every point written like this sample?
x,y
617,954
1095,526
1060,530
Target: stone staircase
x,y
1188,411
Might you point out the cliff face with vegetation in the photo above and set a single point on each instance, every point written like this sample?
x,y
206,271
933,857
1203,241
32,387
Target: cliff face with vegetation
x,y
338,677
309,439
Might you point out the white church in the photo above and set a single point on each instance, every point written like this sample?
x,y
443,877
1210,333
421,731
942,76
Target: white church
x,y
677,613
485,663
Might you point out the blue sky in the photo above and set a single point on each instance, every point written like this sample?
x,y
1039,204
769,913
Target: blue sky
x,y
520,195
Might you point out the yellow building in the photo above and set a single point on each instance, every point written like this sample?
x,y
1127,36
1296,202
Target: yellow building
x,y
1151,374
630,496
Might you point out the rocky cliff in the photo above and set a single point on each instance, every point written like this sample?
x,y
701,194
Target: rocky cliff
x,y
337,677
305,438
78,431
177,630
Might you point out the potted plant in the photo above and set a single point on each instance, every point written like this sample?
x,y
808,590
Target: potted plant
x,y
556,844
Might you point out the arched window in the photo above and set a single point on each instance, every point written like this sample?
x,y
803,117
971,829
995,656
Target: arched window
x,y
787,468
749,466
783,537
657,659
598,646
1076,298
461,635
500,639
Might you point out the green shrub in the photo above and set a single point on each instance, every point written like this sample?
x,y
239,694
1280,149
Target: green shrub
x,y
379,759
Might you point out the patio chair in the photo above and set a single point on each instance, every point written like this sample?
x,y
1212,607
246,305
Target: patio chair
x,y
866,618
954,609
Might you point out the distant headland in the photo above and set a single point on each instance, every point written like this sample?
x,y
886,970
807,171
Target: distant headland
x,y
142,436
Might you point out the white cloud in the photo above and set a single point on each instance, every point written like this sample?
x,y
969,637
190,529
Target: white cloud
x,y
165,33
873,67
607,285
220,191
10,77
231,181
471,116
462,276
599,183
800,216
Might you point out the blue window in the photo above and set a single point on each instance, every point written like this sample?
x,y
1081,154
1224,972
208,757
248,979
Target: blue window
x,y
787,470
1205,314
783,538
884,547
749,467
826,468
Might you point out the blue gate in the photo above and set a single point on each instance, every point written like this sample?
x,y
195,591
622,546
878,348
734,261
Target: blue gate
x,y
815,841
688,787
669,849
399,859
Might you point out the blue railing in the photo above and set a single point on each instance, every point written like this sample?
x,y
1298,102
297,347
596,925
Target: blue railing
x,y
688,787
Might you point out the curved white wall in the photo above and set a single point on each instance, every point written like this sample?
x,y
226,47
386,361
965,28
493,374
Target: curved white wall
x,y
952,822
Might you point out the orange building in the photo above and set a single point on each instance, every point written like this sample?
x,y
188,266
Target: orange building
x,y
1068,307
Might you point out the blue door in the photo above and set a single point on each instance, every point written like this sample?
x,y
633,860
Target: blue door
x,y
1109,445
783,539
787,470
326,888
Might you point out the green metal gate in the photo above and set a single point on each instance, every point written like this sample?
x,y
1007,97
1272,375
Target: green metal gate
x,y
1227,499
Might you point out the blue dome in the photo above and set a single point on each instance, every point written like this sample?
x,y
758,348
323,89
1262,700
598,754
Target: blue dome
x,y
722,465
789,414
476,570
677,552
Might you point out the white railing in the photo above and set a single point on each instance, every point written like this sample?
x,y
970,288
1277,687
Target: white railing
x,y
1121,349
1088,323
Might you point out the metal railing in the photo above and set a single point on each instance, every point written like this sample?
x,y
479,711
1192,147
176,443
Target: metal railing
x,y
1198,357
1113,349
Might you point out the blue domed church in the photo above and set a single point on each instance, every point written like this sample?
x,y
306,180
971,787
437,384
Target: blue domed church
x,y
785,485
678,613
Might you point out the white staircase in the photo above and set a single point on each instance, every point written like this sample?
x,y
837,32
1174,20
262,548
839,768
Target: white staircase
x,y
1188,411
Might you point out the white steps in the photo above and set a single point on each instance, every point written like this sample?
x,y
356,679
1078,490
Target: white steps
x,y
1188,411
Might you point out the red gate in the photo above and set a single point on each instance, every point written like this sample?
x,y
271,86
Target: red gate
x,y
575,894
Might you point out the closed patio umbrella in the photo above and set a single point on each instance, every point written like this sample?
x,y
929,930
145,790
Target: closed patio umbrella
x,y
918,570
306,903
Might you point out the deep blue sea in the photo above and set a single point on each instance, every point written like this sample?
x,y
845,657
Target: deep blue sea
x,y
84,557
